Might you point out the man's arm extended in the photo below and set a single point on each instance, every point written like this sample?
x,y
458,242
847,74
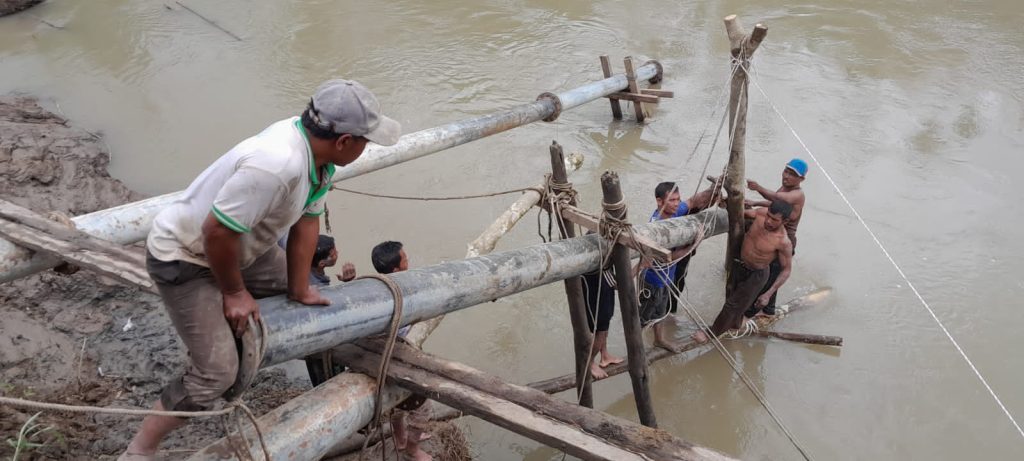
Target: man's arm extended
x,y
222,248
786,261
301,245
766,193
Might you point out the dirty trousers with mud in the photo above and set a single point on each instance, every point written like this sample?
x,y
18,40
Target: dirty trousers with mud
x,y
746,286
195,306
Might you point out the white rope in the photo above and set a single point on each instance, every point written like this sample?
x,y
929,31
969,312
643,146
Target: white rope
x,y
761,398
889,257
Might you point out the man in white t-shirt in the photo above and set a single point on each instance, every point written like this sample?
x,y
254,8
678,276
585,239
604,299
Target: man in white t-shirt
x,y
213,252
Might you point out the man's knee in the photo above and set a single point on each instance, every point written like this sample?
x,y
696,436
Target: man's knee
x,y
207,380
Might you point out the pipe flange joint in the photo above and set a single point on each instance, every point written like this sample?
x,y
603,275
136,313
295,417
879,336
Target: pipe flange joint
x,y
554,100
661,71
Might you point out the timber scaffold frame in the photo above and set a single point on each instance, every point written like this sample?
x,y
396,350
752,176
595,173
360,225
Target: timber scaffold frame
x,y
325,419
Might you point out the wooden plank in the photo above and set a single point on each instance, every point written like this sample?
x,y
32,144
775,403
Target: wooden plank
x,y
490,408
658,93
606,68
591,223
635,97
30,230
653,443
566,382
638,108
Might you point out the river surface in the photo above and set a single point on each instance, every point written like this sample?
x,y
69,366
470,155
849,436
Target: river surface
x,y
914,108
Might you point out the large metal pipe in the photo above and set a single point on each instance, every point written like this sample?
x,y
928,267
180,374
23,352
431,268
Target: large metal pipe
x,y
130,223
307,426
362,308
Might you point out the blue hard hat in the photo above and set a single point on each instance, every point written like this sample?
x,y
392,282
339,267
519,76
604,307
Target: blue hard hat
x,y
798,166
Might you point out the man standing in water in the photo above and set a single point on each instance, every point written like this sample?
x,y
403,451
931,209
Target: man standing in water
x,y
765,241
790,192
213,251
654,291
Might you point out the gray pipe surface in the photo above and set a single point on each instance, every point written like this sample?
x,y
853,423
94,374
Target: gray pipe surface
x,y
130,223
307,426
363,308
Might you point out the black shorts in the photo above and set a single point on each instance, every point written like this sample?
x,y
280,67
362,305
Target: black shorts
x,y
653,303
600,300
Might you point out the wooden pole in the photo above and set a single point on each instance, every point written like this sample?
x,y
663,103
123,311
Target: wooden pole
x,y
742,47
638,107
606,68
821,340
629,310
582,339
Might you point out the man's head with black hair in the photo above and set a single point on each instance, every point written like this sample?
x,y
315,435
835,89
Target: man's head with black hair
x,y
778,212
666,195
389,257
326,253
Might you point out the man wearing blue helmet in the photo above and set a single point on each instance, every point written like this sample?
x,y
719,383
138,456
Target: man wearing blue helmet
x,y
790,192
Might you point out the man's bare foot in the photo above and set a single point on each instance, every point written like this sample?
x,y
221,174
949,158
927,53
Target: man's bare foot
x,y
670,346
418,455
700,337
136,457
610,360
597,372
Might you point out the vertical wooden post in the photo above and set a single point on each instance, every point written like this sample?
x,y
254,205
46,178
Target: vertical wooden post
x,y
742,47
606,68
633,88
628,308
574,292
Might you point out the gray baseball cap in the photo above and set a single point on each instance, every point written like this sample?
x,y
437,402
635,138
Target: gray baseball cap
x,y
347,107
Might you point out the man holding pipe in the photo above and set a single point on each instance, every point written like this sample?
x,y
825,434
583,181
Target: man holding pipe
x,y
213,252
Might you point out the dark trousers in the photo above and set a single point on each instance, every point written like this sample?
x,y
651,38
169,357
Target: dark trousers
x,y
679,280
774,269
746,284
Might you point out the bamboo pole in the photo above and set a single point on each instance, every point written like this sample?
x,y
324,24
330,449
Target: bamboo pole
x,y
742,47
629,310
582,339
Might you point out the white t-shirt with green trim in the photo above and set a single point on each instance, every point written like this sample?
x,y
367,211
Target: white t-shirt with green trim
x,y
260,188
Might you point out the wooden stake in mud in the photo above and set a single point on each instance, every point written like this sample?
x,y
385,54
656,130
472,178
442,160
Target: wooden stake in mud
x,y
638,107
615,209
742,47
573,287
606,68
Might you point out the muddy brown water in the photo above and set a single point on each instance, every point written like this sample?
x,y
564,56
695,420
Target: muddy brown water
x,y
913,107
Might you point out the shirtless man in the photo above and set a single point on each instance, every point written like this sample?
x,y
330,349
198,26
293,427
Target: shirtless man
x,y
765,241
790,192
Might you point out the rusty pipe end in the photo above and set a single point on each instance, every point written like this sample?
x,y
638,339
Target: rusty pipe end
x,y
554,100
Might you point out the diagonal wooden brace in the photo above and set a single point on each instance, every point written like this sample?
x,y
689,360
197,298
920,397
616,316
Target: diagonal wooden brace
x,y
591,222
37,233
